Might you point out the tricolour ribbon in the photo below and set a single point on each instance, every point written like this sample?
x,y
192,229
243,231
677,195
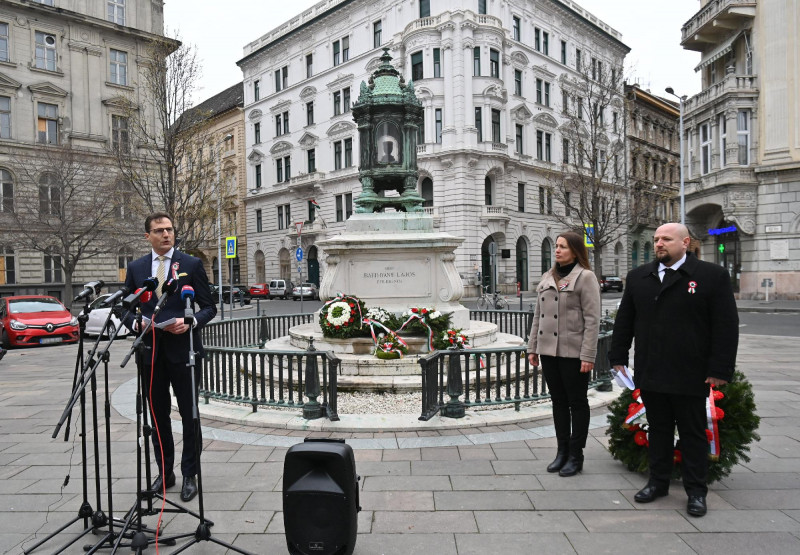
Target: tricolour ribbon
x,y
383,346
713,428
422,321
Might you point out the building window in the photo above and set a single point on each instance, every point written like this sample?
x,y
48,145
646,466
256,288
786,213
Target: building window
x,y
520,197
437,62
258,176
517,82
377,29
545,43
481,6
119,67
45,51
564,102
312,210
723,140
49,196
548,149
337,155
259,222
494,63
115,11
476,61
578,59
309,65
282,124
279,170
539,145
5,117
7,192
705,148
344,206
47,124
438,120
515,27
52,269
284,216
541,200
348,153
549,201
416,66
496,126
743,136
615,123
311,158
7,267
487,191
579,107
4,42
547,94
539,87
537,39
310,113
287,167
565,151
564,52
281,78
256,90
424,8
421,131
518,139
341,50
256,133
567,202
479,123
119,133
426,192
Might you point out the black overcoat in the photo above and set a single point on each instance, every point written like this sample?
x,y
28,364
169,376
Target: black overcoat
x,y
686,328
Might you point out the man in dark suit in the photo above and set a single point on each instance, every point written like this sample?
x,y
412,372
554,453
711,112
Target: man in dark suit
x,y
682,314
167,363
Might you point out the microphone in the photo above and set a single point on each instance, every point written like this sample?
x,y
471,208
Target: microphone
x,y
187,294
148,285
112,300
167,290
91,288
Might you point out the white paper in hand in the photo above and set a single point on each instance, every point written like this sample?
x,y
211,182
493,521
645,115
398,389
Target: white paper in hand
x,y
624,379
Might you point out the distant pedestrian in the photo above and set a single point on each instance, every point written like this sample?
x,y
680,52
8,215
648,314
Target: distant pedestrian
x,y
564,335
682,314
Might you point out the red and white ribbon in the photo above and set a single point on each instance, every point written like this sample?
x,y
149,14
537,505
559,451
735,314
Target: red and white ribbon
x,y
422,321
713,428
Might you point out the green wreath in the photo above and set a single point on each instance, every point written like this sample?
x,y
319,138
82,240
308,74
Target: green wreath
x,y
341,318
737,430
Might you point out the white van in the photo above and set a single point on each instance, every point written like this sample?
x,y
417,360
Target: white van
x,y
280,288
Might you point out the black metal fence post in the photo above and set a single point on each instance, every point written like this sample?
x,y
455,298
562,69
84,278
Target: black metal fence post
x,y
454,408
312,409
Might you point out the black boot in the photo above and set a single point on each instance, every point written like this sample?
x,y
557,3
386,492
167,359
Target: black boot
x,y
561,458
573,465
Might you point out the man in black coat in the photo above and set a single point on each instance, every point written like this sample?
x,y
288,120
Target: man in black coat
x,y
168,365
682,314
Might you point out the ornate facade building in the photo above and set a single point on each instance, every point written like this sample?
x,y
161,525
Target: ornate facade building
x,y
492,77
742,160
68,72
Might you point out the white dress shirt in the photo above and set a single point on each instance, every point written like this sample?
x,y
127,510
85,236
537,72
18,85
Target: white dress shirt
x,y
675,266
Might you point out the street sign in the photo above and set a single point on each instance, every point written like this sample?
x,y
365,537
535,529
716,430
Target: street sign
x,y
299,269
588,235
299,226
230,247
766,282
298,254
492,248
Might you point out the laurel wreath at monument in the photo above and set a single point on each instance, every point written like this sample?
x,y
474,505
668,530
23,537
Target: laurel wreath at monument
x,y
732,428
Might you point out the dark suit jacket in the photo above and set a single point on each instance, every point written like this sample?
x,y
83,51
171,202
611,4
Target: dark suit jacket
x,y
175,347
686,328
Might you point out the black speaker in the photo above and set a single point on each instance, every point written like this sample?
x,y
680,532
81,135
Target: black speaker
x,y
320,498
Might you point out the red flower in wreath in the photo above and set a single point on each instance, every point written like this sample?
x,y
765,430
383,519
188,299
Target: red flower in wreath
x,y
677,457
637,393
720,413
352,305
718,395
640,438
709,435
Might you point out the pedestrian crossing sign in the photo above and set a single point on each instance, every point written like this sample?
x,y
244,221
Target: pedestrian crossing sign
x,y
230,247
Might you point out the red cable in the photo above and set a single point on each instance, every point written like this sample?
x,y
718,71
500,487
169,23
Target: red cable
x,y
158,435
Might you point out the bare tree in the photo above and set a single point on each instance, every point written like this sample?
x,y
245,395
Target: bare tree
x,y
592,186
161,156
73,209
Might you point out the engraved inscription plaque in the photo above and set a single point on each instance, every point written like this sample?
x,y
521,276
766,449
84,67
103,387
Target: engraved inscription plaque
x,y
390,278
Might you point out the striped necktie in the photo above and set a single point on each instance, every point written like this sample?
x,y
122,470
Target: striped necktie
x,y
161,274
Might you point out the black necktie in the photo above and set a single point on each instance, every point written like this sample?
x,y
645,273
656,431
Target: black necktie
x,y
668,272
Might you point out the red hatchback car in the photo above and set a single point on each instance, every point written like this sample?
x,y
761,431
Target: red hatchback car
x,y
35,320
259,290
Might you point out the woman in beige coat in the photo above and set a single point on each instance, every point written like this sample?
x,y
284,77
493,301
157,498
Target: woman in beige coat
x,y
564,336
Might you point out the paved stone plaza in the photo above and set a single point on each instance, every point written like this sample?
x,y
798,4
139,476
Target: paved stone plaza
x,y
456,491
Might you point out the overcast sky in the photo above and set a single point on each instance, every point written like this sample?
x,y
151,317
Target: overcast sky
x,y
651,29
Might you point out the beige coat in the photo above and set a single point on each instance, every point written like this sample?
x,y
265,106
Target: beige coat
x,y
567,317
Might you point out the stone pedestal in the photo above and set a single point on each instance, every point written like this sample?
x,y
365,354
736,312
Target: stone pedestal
x,y
395,261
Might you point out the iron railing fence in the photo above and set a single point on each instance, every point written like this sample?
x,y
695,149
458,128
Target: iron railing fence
x,y
252,331
514,322
273,378
486,377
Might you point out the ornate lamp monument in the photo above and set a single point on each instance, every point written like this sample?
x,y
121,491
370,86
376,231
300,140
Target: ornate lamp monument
x,y
389,255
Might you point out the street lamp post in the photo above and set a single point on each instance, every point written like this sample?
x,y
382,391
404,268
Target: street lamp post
x,y
681,99
225,139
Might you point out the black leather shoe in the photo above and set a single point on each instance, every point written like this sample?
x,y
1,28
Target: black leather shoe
x,y
696,505
573,465
650,493
158,483
189,489
558,462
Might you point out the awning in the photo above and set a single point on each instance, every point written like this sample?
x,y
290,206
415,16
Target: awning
x,y
718,52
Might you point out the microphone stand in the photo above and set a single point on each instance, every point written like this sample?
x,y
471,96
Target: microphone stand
x,y
85,512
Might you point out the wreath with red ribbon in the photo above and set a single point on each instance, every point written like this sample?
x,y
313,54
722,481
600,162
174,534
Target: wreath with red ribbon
x,y
731,411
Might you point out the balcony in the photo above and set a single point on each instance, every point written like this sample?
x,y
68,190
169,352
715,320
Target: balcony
x,y
433,211
305,182
730,86
715,20
495,214
433,22
310,229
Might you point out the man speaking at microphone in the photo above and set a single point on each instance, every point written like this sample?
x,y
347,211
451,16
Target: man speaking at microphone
x,y
170,356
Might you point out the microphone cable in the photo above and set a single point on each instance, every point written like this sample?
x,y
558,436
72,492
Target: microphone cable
x,y
158,435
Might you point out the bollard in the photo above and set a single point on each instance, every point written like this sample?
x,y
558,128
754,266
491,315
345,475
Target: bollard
x,y
312,409
454,408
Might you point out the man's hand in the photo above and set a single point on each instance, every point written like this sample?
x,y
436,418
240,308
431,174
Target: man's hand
x,y
586,366
716,382
533,358
177,328
620,368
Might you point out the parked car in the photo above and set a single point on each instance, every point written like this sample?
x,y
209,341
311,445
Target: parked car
x,y
280,288
98,315
35,320
259,290
306,291
611,282
240,294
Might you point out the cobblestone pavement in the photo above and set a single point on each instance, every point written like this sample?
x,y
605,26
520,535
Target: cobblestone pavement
x,y
453,491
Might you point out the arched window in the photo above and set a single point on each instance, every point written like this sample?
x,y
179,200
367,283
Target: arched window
x,y
647,250
261,269
427,192
547,255
285,264
8,273
522,263
487,191
6,191
215,270
635,254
